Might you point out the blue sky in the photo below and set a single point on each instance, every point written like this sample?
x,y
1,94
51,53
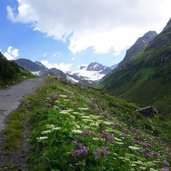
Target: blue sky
x,y
39,30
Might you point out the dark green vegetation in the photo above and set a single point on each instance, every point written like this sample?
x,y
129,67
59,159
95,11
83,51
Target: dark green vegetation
x,y
146,77
10,72
77,128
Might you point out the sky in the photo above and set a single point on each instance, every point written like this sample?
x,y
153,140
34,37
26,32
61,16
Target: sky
x,y
69,33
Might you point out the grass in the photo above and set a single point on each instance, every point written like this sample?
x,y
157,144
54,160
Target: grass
x,y
77,128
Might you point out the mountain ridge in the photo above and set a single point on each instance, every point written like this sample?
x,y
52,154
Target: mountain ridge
x,y
146,78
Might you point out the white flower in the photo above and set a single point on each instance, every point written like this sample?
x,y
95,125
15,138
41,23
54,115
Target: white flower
x,y
63,96
41,138
86,117
84,109
50,126
76,131
134,147
56,128
47,132
66,111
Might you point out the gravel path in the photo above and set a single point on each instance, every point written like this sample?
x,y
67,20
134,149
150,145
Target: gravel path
x,y
11,98
9,101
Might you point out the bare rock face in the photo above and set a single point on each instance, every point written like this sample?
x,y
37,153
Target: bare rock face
x,y
148,111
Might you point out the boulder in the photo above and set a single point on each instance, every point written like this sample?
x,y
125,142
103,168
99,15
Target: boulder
x,y
147,111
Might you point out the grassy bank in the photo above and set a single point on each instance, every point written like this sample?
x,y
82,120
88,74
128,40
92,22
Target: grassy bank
x,y
77,128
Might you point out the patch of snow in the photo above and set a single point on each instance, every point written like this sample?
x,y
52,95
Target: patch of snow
x,y
37,73
72,79
88,75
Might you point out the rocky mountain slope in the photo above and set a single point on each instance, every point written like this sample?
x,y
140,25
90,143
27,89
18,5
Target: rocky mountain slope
x,y
145,78
38,68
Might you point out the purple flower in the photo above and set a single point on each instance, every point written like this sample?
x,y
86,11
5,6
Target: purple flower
x,y
75,142
111,138
107,136
54,97
80,152
104,152
98,111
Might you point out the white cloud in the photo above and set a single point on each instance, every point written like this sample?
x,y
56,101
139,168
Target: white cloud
x,y
61,66
100,24
11,53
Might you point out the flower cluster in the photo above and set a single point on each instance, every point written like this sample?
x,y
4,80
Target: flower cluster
x,y
98,111
51,100
102,152
81,151
107,136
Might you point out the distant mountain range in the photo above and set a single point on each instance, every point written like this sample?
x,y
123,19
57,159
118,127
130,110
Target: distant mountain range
x,y
86,75
37,68
93,72
144,75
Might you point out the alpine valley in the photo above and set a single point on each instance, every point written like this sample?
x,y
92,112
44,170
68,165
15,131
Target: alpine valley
x,y
144,75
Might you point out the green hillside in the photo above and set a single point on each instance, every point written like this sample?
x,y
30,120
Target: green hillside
x,y
10,72
146,79
78,128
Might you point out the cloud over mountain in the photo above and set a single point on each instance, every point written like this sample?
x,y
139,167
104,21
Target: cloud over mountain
x,y
100,24
11,53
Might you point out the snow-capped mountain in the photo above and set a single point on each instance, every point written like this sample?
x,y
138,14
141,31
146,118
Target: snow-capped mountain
x,y
94,66
90,75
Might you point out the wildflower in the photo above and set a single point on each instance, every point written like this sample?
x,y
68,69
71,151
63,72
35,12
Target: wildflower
x,y
46,132
80,152
63,96
50,126
101,152
134,147
84,109
107,136
75,142
86,117
56,128
41,138
54,97
104,152
76,131
98,111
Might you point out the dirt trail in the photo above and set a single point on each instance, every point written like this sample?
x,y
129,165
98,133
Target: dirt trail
x,y
11,98
9,101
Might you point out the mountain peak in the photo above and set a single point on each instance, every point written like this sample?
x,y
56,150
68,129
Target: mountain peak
x,y
95,66
140,43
